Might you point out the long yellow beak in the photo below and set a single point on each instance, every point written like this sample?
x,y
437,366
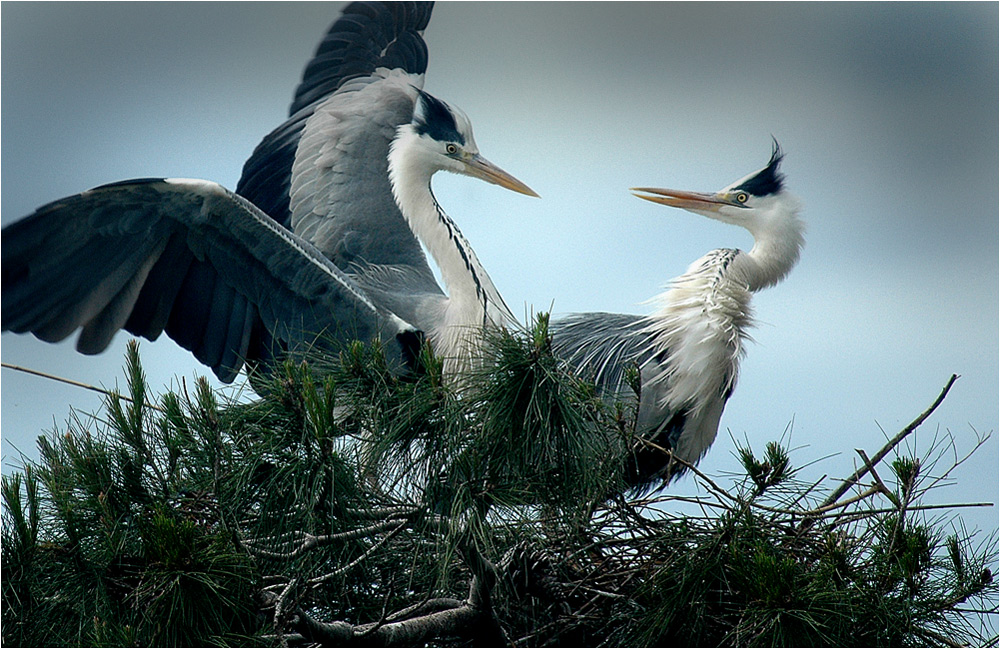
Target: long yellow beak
x,y
681,199
479,167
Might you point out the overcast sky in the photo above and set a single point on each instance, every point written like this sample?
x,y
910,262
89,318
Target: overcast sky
x,y
887,113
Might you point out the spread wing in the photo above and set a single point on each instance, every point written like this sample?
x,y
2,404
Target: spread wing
x,y
324,172
367,36
188,257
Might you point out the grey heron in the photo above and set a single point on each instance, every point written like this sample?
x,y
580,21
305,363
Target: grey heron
x,y
687,352
312,246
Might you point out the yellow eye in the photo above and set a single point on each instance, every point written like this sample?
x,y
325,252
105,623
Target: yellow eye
x,y
451,149
742,197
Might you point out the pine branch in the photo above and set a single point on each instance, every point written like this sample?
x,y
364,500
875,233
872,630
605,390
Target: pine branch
x,y
275,514
367,554
310,541
891,444
461,621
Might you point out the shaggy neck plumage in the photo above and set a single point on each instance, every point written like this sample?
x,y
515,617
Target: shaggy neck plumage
x,y
703,317
473,300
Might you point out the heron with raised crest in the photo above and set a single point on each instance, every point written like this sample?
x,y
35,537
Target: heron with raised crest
x,y
687,352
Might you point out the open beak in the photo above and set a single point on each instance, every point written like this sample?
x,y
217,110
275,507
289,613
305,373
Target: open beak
x,y
681,199
479,167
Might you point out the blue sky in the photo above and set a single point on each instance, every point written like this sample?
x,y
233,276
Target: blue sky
x,y
887,113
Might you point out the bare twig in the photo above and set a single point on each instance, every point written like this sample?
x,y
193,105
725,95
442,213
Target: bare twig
x,y
856,477
85,386
424,608
367,553
871,491
881,486
957,462
310,541
849,518
692,468
891,444
279,604
383,512
927,633
462,621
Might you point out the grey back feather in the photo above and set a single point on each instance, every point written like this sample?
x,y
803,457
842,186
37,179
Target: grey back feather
x,y
340,196
600,346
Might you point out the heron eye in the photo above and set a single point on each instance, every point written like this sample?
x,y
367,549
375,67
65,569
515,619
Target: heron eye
x,y
742,197
451,149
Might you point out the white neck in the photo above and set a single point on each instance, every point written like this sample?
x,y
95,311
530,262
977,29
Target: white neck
x,y
473,300
778,241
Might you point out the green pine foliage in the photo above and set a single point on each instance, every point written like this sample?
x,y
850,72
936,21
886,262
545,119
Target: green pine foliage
x,y
103,546
353,505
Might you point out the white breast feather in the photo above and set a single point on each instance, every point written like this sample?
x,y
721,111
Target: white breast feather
x,y
701,323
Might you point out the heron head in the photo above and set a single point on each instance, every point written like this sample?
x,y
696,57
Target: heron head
x,y
757,202
443,136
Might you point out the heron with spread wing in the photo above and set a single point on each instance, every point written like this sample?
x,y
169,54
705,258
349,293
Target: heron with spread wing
x,y
323,238
317,244
687,352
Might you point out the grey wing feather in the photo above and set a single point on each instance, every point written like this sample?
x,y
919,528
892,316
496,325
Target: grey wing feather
x,y
186,257
404,290
600,345
367,36
323,173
